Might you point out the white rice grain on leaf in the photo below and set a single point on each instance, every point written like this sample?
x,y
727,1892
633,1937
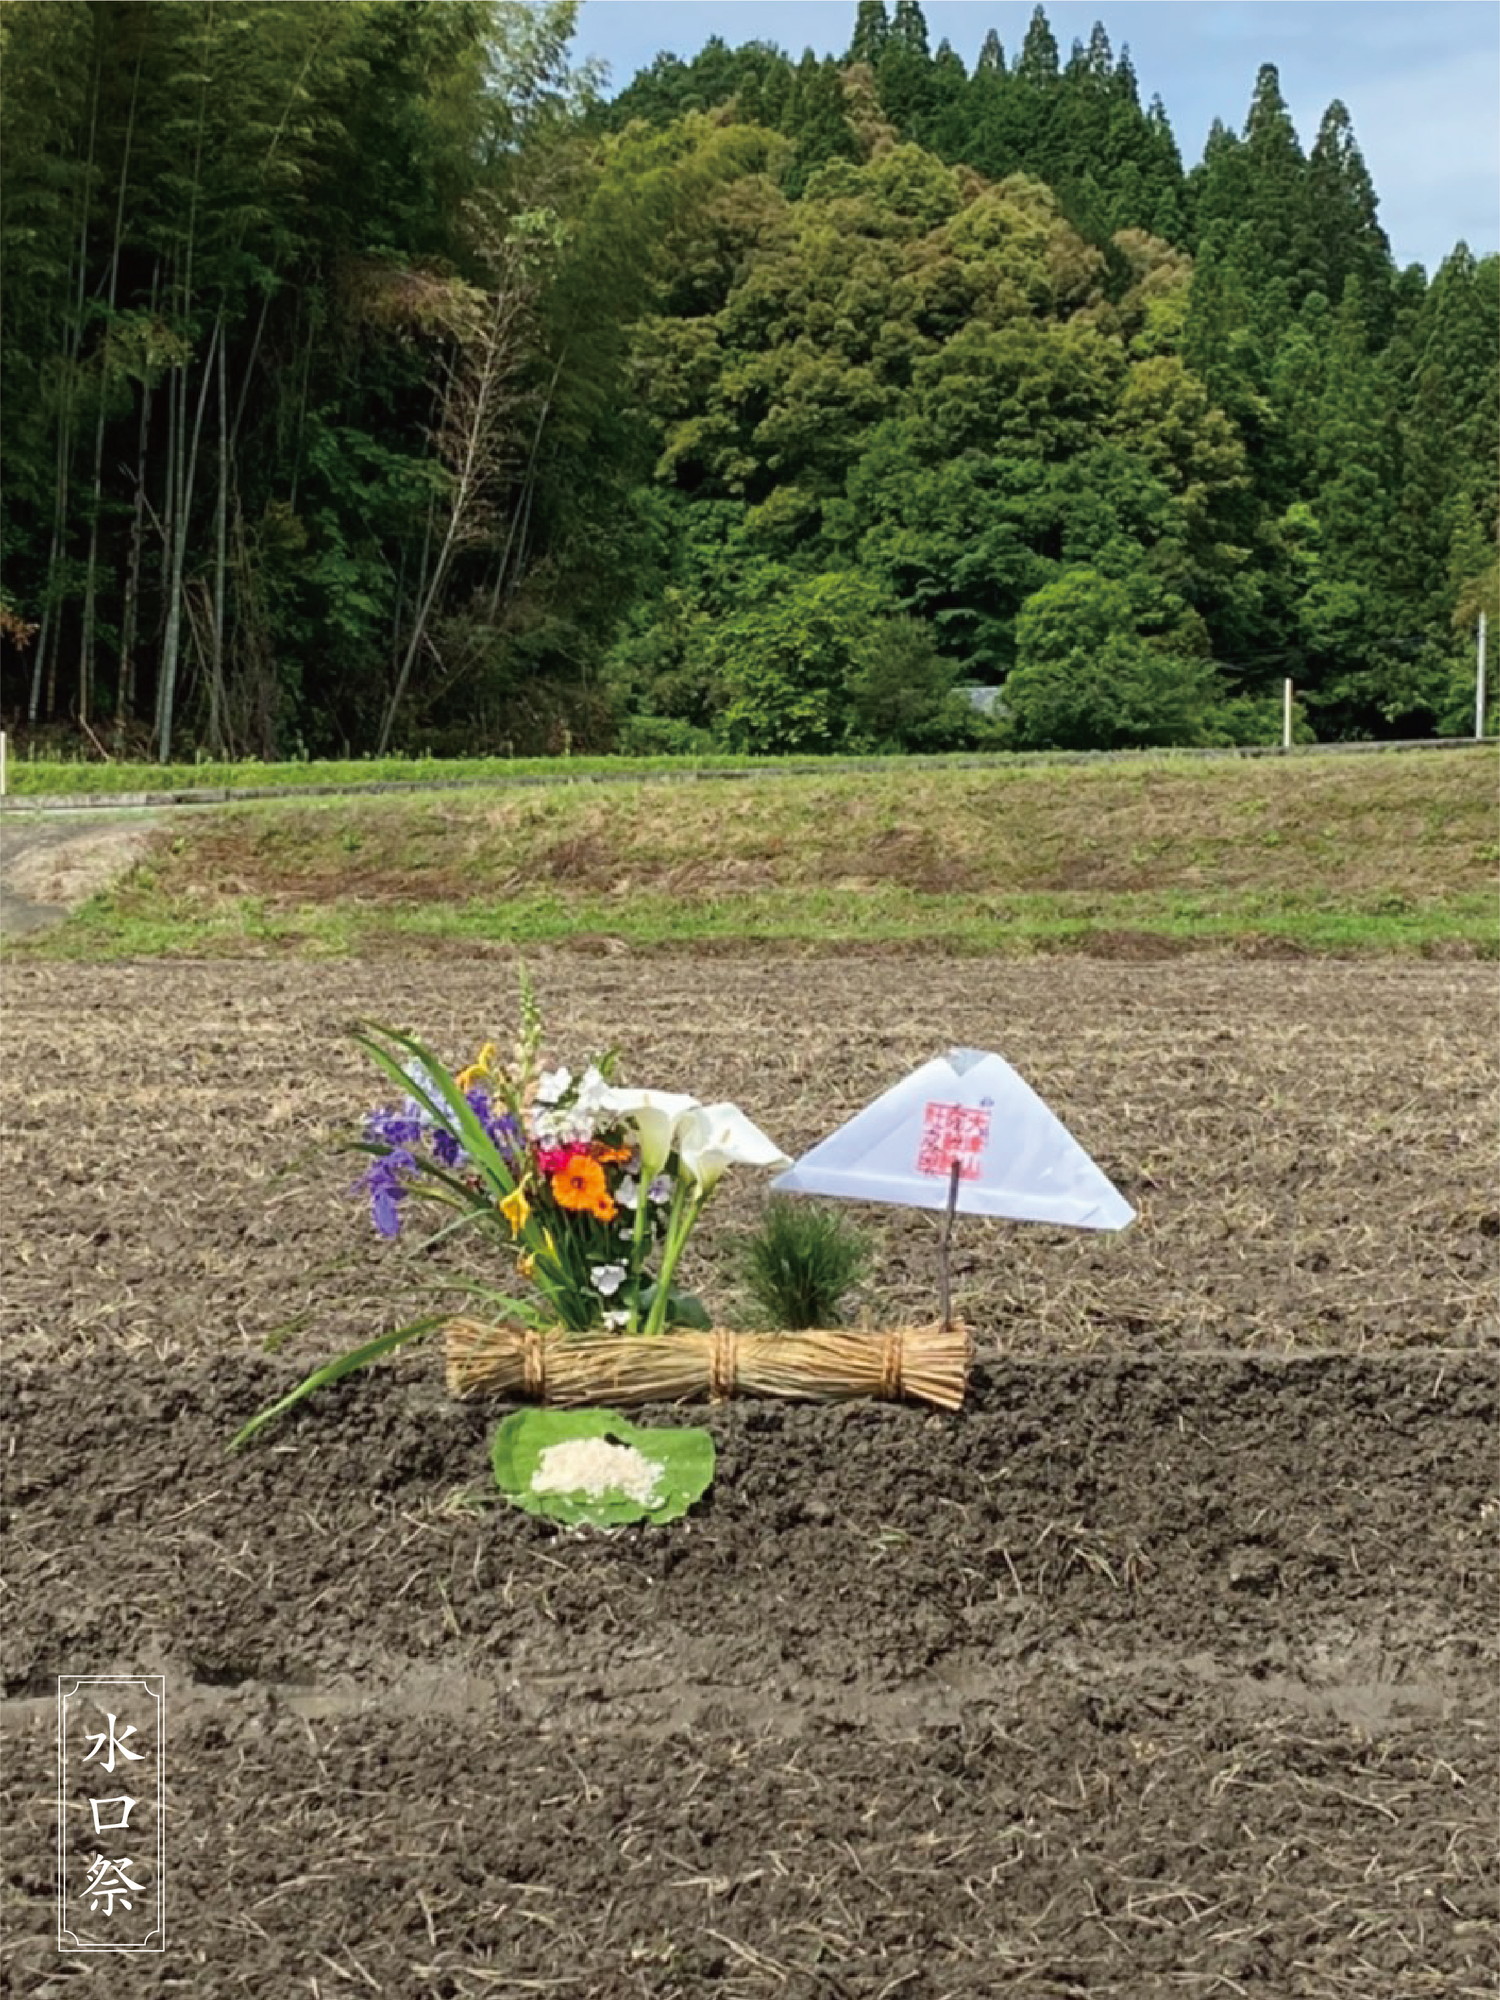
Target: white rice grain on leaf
x,y
596,1466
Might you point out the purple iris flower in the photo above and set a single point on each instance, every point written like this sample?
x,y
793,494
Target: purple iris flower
x,y
384,1180
508,1136
502,1127
394,1128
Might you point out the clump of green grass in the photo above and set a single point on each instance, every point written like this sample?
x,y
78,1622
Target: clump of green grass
x,y
802,1262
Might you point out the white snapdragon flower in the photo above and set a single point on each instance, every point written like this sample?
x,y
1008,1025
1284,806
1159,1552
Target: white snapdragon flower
x,y
608,1278
420,1078
562,1127
590,1094
553,1084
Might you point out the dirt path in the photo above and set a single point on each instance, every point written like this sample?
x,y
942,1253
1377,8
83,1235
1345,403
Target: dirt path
x,y
52,862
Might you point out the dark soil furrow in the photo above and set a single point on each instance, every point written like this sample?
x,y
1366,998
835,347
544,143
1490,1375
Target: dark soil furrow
x,y
1243,1508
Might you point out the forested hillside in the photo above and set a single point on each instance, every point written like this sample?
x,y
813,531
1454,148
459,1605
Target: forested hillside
x,y
371,382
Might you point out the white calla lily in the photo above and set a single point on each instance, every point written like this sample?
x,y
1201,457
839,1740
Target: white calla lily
x,y
716,1137
654,1116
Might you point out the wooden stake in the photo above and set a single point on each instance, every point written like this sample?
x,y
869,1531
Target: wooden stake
x,y
944,1265
1479,684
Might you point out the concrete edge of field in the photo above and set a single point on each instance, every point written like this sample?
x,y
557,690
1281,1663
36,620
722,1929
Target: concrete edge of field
x,y
207,795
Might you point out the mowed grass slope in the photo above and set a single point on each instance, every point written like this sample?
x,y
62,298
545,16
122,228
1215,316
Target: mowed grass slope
x,y
1385,852
58,778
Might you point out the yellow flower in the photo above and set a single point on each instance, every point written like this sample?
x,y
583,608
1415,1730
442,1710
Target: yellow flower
x,y
516,1208
526,1264
478,1070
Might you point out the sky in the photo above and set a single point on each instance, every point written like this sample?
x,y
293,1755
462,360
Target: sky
x,y
1421,78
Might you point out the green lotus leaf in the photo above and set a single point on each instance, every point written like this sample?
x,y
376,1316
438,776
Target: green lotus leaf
x,y
685,1459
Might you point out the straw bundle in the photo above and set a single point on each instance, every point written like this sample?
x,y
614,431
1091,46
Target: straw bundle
x,y
924,1364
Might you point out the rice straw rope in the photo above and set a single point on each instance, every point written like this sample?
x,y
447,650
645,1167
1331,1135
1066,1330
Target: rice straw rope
x,y
919,1364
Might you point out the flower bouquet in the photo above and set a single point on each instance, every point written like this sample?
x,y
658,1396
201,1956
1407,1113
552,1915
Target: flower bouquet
x,y
588,1184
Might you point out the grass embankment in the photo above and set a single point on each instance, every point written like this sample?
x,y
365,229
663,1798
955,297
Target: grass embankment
x,y
1384,853
64,778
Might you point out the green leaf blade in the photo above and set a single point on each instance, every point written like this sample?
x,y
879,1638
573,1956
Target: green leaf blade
x,y
334,1371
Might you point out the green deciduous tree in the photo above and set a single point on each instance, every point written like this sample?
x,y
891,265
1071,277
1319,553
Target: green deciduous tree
x,y
785,663
1085,680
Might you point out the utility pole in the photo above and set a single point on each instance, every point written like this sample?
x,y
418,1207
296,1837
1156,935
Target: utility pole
x,y
1479,684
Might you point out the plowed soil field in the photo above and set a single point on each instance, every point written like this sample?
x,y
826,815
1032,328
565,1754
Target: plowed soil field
x,y
1168,1667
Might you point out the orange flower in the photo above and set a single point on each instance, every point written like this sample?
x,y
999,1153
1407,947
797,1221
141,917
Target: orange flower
x,y
580,1185
611,1156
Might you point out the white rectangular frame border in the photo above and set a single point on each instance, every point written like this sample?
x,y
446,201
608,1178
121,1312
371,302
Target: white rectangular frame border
x,y
154,1686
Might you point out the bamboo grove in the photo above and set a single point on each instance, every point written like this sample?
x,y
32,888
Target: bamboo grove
x,y
372,382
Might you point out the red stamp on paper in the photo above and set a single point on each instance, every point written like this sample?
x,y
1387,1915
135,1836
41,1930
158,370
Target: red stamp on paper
x,y
953,1133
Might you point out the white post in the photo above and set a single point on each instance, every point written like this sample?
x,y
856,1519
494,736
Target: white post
x,y
1286,715
2,763
1479,684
